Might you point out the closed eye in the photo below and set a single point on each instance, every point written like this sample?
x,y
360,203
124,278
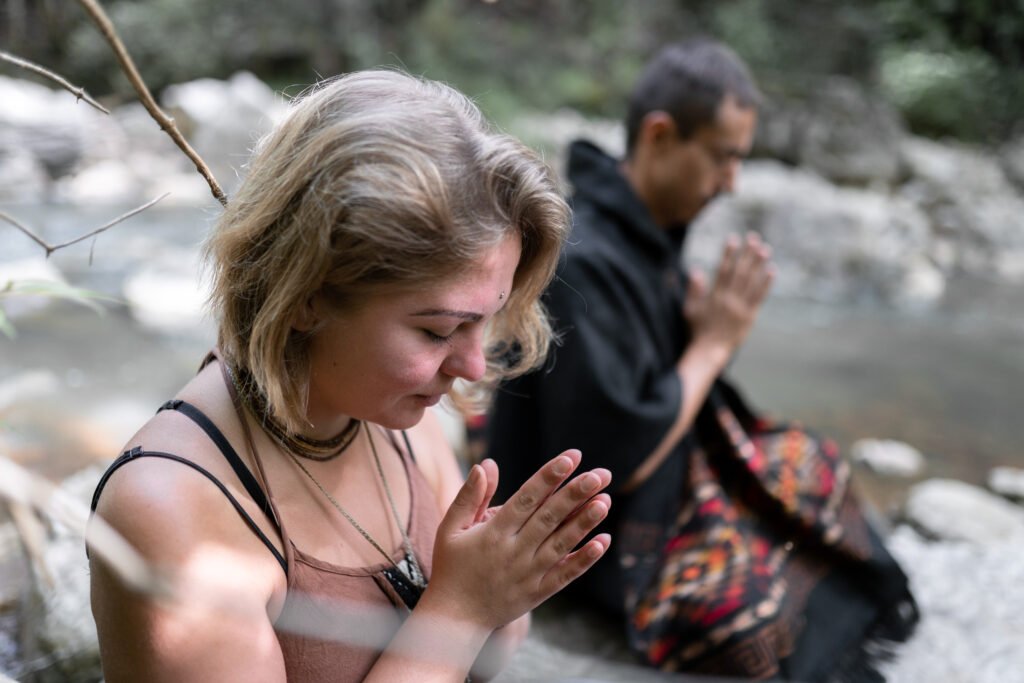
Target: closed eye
x,y
438,338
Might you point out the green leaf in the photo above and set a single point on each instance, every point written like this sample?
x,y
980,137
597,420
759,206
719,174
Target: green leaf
x,y
56,290
6,327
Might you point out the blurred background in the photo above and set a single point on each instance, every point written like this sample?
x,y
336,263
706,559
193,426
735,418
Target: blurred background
x,y
888,173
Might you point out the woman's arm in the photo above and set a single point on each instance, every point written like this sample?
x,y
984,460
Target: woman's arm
x,y
218,628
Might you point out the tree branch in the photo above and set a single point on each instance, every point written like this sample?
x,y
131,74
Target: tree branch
x,y
166,123
78,92
50,248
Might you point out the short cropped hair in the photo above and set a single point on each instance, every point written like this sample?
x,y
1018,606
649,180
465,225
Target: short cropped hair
x,y
688,81
378,181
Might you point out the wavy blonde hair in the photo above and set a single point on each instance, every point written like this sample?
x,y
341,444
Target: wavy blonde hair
x,y
378,181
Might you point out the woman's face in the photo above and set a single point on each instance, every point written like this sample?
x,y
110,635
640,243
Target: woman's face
x,y
397,354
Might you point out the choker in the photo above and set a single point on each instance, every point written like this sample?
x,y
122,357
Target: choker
x,y
255,401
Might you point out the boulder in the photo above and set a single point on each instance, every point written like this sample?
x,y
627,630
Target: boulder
x,y
971,204
888,457
830,244
1012,156
953,510
167,295
1008,482
223,119
972,611
836,129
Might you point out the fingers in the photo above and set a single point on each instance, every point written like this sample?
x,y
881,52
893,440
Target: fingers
x,y
574,565
561,514
490,471
727,266
745,268
521,506
463,511
580,523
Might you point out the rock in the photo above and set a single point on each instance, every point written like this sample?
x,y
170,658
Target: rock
x,y
972,611
971,203
23,178
850,137
1012,155
953,510
105,182
223,119
1008,482
52,125
166,294
552,134
831,244
888,457
67,631
27,385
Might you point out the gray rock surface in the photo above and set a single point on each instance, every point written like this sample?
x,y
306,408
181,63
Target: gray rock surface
x,y
972,602
1008,482
952,510
885,456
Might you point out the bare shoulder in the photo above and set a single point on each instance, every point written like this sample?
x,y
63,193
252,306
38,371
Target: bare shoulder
x,y
226,582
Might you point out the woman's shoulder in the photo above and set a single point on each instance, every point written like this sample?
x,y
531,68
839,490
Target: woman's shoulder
x,y
165,490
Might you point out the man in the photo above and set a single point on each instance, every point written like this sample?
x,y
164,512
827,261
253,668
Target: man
x,y
738,548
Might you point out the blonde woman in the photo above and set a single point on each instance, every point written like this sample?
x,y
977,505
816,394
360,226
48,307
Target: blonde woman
x,y
386,250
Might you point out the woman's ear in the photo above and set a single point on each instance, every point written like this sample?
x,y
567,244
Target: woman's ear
x,y
306,315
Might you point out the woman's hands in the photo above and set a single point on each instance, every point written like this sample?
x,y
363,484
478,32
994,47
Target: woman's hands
x,y
492,565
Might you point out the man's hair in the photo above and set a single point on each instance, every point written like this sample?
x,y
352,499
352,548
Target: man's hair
x,y
377,182
688,81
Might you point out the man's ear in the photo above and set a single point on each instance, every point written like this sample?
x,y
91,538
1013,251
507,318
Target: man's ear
x,y
657,130
306,316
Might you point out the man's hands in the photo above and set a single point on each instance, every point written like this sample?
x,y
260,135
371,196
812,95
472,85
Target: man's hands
x,y
722,317
492,565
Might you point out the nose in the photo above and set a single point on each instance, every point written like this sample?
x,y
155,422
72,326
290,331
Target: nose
x,y
467,360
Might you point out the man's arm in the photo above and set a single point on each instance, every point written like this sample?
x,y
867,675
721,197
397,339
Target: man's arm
x,y
720,320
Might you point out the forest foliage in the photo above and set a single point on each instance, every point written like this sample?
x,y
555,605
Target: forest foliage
x,y
950,67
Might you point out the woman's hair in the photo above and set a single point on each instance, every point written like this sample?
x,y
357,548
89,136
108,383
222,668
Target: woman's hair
x,y
378,181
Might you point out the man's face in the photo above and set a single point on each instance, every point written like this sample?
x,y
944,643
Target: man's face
x,y
690,173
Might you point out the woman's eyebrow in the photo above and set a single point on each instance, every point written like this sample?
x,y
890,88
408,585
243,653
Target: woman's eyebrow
x,y
449,313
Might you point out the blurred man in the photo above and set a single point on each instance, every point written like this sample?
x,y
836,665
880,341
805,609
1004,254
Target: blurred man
x,y
738,548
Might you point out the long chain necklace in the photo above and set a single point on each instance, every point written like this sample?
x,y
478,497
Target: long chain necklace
x,y
408,568
294,444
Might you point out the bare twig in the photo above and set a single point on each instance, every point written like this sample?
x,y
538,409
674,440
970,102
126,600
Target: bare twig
x,y
78,92
35,238
100,18
50,248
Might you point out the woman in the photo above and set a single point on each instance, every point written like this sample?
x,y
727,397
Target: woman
x,y
385,245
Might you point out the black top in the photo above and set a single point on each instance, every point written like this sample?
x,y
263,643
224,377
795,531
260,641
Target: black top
x,y
610,387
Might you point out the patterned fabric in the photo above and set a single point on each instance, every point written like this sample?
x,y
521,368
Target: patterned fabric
x,y
768,515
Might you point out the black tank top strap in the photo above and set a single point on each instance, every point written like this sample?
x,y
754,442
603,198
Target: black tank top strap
x,y
243,473
137,452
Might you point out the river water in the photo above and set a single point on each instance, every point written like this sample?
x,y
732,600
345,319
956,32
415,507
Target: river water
x,y
949,381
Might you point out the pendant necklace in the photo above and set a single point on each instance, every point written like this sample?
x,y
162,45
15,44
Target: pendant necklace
x,y
405,576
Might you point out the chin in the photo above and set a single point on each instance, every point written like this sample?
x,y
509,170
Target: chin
x,y
401,419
